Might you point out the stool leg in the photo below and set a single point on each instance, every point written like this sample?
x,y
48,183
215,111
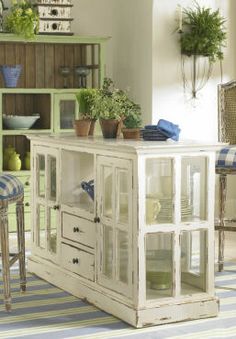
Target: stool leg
x,y
222,203
5,257
21,243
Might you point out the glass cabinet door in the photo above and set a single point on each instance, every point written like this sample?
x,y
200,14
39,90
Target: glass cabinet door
x,y
46,204
176,227
115,212
159,191
66,111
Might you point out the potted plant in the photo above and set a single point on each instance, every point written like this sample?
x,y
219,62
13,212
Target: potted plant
x,y
202,34
108,105
87,118
132,121
22,19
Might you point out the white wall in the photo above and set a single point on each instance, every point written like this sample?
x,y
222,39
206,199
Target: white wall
x,y
197,118
129,53
144,56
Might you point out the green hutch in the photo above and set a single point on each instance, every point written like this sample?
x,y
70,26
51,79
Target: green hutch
x,y
41,89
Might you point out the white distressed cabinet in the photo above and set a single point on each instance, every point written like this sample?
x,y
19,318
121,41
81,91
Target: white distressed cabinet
x,y
140,243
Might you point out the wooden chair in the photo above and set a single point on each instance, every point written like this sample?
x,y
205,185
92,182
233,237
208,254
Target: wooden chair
x,y
226,158
11,191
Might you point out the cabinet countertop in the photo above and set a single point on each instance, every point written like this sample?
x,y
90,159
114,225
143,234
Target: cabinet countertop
x,y
131,146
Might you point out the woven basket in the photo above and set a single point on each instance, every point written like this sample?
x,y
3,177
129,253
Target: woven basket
x,y
11,74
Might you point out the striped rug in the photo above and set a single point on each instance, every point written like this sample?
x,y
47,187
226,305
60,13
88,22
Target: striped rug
x,y
48,312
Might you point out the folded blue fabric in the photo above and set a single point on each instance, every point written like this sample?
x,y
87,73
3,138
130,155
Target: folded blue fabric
x,y
169,129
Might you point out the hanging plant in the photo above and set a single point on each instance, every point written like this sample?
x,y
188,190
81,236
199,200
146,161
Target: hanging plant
x,y
203,35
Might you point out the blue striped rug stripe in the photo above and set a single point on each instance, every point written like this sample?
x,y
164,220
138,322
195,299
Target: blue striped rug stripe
x,y
45,311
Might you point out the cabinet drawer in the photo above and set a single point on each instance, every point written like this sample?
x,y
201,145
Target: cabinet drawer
x,y
78,229
78,261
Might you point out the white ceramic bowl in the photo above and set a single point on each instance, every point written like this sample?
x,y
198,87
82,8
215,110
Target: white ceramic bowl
x,y
19,121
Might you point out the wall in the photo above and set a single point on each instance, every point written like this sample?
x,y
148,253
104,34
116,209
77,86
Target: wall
x,y
197,118
129,53
144,57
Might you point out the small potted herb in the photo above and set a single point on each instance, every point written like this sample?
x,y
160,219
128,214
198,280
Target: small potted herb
x,y
132,121
22,19
108,105
87,118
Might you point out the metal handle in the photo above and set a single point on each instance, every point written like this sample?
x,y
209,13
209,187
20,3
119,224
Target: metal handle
x,y
75,260
56,207
76,229
96,219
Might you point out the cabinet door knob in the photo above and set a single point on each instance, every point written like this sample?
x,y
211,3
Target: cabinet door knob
x,y
96,219
56,207
27,183
27,204
76,229
75,260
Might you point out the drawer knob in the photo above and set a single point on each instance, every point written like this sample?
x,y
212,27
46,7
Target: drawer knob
x,y
56,207
96,219
76,229
27,204
75,260
27,183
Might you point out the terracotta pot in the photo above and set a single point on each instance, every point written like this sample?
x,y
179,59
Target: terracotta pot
x,y
82,127
109,127
92,126
131,133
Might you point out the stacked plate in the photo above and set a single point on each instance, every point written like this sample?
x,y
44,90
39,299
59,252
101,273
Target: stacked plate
x,y
166,211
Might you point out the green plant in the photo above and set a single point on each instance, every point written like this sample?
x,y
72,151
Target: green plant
x,y
23,19
203,33
132,115
109,102
85,99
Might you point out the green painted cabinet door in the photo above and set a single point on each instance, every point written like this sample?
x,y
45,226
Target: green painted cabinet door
x,y
65,111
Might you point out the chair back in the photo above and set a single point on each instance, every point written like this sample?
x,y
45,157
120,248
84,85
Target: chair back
x,y
227,112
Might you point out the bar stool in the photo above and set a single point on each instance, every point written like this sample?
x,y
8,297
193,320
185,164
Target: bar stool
x,y
11,191
225,159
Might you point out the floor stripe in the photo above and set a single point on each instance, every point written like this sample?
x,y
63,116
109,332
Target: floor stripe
x,y
45,311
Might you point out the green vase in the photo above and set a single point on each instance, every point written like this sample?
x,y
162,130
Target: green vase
x,y
14,163
6,156
27,160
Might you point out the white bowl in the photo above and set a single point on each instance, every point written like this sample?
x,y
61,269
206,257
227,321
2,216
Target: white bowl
x,y
19,121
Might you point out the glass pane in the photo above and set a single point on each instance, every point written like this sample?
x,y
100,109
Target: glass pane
x,y
67,113
107,191
194,189
123,216
159,265
193,262
122,256
53,178
52,232
107,251
41,175
41,221
159,191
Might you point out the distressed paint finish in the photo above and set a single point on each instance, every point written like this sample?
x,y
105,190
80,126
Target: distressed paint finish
x,y
78,265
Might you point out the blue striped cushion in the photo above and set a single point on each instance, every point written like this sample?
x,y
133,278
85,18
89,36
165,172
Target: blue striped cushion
x,y
10,187
226,157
